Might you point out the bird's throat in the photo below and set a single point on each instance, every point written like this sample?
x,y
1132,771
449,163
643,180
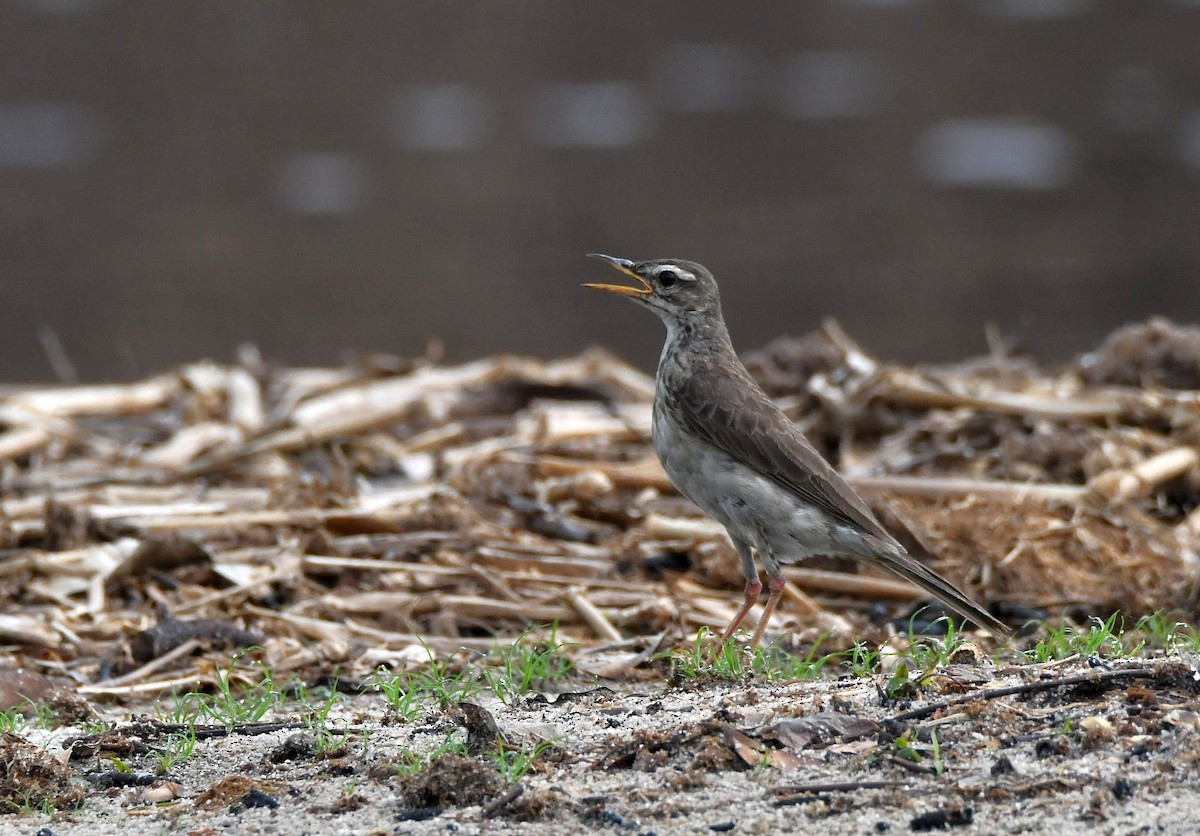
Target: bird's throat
x,y
696,339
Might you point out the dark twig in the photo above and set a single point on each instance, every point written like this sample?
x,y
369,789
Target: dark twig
x,y
503,800
207,732
1090,678
210,731
912,766
789,789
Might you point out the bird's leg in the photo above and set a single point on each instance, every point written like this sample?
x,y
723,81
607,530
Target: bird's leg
x,y
774,593
753,587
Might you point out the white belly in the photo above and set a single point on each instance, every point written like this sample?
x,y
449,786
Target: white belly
x,y
753,508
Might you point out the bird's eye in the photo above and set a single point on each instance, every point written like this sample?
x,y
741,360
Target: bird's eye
x,y
667,278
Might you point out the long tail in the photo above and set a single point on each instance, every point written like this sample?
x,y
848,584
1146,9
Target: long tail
x,y
903,564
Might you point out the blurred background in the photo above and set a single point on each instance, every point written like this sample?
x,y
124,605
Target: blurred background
x,y
179,178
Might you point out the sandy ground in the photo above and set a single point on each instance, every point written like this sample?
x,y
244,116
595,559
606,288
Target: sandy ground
x,y
1114,756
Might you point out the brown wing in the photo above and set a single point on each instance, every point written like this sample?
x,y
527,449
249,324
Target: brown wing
x,y
736,416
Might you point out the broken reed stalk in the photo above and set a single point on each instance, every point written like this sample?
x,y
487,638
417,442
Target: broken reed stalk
x,y
113,399
1118,485
941,487
147,688
592,616
803,793
21,441
153,666
911,389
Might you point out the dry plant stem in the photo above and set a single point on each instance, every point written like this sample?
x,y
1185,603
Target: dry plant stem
x,y
572,567
1188,531
649,473
310,627
919,768
1036,666
1092,677
495,582
912,389
938,487
246,410
232,593
153,666
382,641
323,564
64,369
20,628
853,353
186,445
208,732
803,792
810,609
137,689
119,399
22,441
467,606
35,506
1119,485
673,528
503,800
302,517
592,616
438,644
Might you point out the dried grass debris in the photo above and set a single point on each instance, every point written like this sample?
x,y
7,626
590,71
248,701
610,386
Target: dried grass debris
x,y
373,513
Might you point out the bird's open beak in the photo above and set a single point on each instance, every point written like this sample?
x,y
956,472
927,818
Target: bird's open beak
x,y
626,267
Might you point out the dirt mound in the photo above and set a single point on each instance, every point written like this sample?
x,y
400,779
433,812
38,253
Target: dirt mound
x,y
34,780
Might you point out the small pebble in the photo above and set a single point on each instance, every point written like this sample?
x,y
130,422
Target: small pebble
x,y
1096,731
942,819
1003,766
161,792
258,798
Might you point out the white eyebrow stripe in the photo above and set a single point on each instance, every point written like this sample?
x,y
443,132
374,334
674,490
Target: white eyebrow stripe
x,y
679,271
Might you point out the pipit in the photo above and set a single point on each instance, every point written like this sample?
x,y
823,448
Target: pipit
x,y
729,449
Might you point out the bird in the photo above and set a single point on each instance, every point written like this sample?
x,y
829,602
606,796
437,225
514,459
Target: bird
x,y
732,451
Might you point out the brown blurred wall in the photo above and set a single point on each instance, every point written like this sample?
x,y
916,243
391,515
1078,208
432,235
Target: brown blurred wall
x,y
178,178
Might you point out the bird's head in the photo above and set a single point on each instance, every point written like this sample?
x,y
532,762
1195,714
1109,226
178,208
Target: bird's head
x,y
674,289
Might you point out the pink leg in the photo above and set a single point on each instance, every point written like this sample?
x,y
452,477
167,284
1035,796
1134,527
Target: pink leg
x,y
774,592
753,588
